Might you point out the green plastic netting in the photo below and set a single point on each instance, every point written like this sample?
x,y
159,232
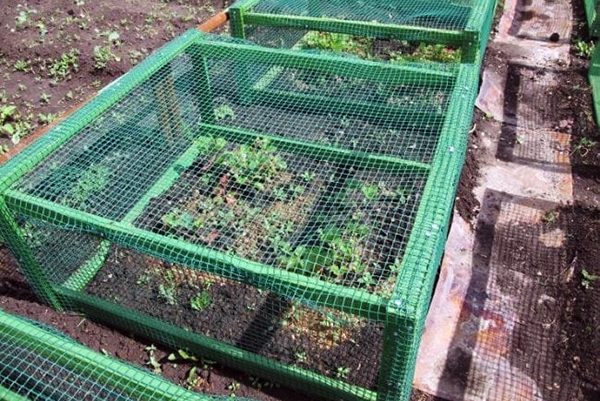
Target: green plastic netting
x,y
281,211
591,11
39,363
594,78
397,30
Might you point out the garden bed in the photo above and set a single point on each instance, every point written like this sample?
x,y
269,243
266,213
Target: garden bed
x,y
328,342
320,219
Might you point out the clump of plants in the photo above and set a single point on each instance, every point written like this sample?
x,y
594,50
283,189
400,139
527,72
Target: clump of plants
x,y
247,200
12,123
369,48
338,42
61,68
424,52
254,164
344,251
337,257
90,182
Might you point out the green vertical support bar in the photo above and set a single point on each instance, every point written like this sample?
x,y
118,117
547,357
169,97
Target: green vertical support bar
x,y
236,23
203,91
238,30
237,13
13,237
395,380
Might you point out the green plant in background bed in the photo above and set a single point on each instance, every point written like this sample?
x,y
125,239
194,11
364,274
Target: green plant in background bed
x,y
338,42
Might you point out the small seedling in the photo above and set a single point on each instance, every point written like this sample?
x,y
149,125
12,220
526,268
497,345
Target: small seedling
x,y
583,49
45,97
369,191
308,176
193,379
224,111
181,356
584,146
103,55
46,118
167,294
233,387
588,279
61,68
342,372
301,357
200,301
21,65
143,279
152,361
551,217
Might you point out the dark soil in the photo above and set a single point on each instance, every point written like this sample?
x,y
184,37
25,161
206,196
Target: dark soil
x,y
466,203
579,345
17,297
580,317
241,315
46,30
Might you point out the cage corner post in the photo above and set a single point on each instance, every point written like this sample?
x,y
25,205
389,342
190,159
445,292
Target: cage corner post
x,y
31,268
395,374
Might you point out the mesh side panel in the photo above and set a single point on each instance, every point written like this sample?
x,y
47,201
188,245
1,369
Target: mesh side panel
x,y
52,366
48,245
395,51
324,341
446,14
115,159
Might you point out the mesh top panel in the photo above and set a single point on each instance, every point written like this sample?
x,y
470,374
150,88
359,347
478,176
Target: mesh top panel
x,y
300,161
445,14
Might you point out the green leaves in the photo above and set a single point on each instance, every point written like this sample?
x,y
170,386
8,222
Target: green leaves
x,y
182,355
587,279
369,191
200,301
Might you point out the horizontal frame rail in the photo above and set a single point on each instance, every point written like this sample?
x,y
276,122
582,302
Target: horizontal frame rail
x,y
362,28
351,300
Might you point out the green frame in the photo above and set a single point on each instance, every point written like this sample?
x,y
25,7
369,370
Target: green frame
x,y
472,38
403,313
592,9
594,78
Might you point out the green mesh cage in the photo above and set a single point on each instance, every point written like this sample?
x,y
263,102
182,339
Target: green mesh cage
x,y
39,363
281,211
594,78
591,12
396,30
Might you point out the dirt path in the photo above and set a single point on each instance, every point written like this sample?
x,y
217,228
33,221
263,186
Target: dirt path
x,y
515,314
